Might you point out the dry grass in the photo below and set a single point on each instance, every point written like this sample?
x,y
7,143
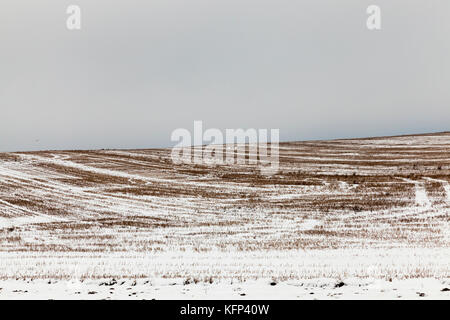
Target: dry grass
x,y
353,191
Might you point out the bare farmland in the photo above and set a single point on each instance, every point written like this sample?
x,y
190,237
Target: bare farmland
x,y
373,208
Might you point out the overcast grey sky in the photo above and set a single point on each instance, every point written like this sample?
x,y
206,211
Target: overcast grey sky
x,y
137,70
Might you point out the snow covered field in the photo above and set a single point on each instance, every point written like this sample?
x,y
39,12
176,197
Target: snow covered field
x,y
145,289
372,214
